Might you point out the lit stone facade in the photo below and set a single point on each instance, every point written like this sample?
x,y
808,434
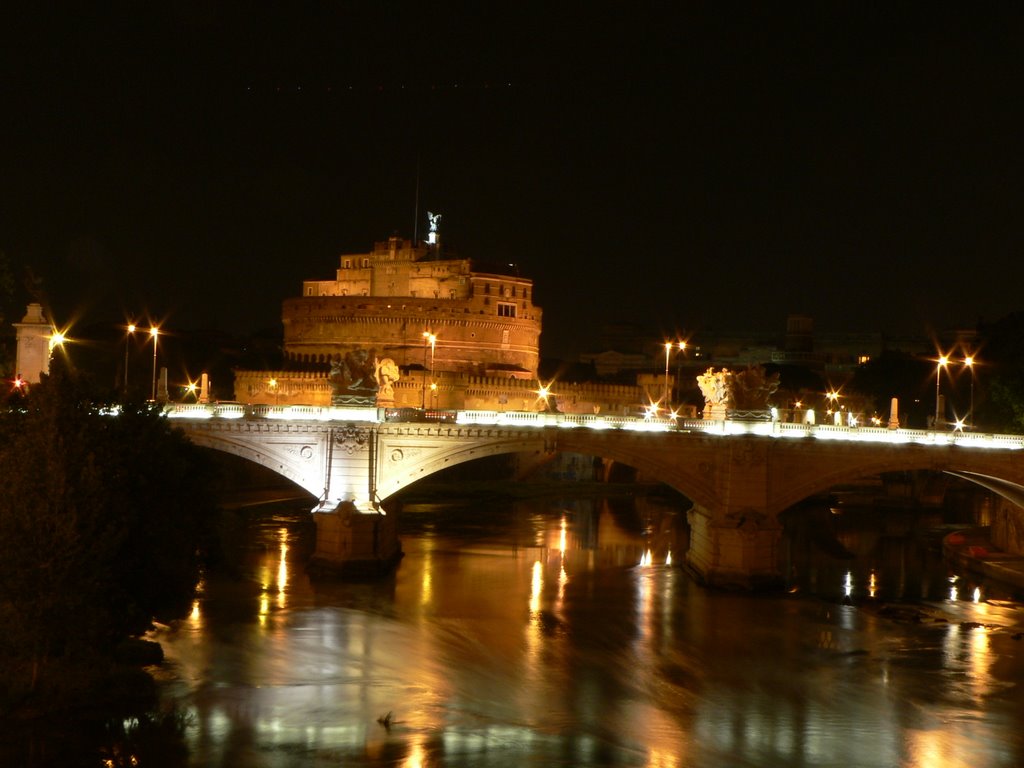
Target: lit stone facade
x,y
486,332
33,354
457,392
484,321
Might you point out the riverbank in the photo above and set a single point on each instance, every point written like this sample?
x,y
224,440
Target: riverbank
x,y
491,490
972,549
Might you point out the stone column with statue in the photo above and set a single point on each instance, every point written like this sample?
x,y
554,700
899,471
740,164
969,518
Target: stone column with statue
x,y
741,395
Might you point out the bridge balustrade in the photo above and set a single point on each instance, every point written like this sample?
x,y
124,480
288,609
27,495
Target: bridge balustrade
x,y
361,456
541,419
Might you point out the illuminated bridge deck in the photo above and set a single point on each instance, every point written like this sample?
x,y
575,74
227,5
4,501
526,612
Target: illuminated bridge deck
x,y
543,420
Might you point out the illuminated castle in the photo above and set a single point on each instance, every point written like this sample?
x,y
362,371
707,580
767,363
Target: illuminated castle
x,y
411,304
403,326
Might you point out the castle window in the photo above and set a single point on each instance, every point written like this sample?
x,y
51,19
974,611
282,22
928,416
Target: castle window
x,y
309,291
487,288
506,310
451,293
366,263
348,264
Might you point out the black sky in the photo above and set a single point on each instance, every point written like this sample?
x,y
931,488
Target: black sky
x,y
678,165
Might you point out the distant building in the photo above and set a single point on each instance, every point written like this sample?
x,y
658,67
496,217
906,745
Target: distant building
x,y
463,334
413,305
36,336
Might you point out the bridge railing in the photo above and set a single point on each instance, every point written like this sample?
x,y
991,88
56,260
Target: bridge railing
x,y
723,427
858,434
565,420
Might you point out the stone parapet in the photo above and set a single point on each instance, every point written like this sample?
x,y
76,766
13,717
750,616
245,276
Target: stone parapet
x,y
418,389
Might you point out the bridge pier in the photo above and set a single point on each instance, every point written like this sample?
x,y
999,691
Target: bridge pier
x,y
350,542
739,550
740,474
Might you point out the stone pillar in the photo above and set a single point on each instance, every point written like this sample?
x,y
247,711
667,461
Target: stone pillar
x,y
33,352
737,544
738,551
353,538
894,414
162,395
353,543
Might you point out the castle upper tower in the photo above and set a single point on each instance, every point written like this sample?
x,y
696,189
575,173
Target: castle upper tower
x,y
390,300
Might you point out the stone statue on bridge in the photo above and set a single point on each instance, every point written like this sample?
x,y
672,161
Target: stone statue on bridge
x,y
752,388
353,379
386,373
716,386
747,391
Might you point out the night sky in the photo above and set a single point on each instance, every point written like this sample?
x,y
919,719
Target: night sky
x,y
678,166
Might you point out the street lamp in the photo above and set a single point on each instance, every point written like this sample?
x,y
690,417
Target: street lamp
x,y
57,339
431,339
543,395
154,332
679,367
942,362
664,398
273,386
668,349
969,363
127,339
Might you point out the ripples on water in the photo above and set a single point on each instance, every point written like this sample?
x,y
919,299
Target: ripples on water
x,y
557,634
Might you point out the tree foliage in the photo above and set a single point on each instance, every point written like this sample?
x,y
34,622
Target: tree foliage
x,y
897,374
100,520
1001,373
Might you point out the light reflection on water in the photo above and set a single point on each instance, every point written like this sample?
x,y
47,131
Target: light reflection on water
x,y
531,634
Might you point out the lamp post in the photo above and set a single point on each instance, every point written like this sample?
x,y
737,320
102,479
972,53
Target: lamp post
x,y
679,369
969,363
273,386
832,397
664,397
942,362
57,339
127,340
154,332
668,349
431,339
543,393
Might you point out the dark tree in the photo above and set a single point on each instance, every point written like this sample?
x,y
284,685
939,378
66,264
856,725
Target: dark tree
x,y
100,520
1000,376
7,316
905,377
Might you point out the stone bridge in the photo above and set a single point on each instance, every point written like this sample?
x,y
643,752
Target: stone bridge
x,y
739,476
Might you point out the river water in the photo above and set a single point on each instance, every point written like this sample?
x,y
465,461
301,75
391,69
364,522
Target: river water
x,y
561,633
564,633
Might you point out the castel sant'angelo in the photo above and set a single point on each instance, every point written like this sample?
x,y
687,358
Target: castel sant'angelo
x,y
409,325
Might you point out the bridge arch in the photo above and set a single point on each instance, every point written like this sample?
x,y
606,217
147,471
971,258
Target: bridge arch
x,y
1001,472
400,467
739,479
258,453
